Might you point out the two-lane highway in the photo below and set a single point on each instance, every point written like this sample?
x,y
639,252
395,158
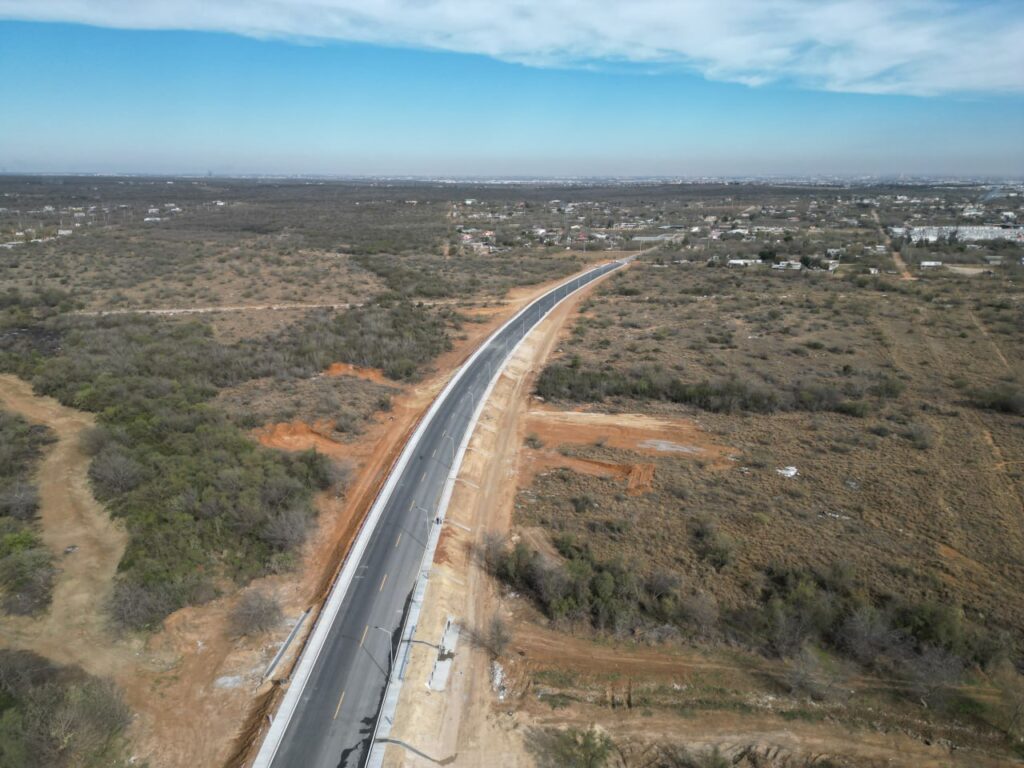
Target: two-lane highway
x,y
327,717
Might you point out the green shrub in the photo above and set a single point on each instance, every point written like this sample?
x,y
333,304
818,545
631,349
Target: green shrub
x,y
26,575
560,381
1005,398
921,436
570,382
570,748
887,387
856,408
608,595
711,544
26,564
54,717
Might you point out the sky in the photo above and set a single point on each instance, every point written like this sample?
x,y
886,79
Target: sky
x,y
525,88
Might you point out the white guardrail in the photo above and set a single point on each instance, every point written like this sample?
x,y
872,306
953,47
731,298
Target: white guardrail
x,y
325,621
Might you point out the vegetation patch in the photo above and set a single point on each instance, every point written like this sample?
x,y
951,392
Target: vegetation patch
x,y
606,595
435,277
57,717
1005,398
201,502
396,337
26,564
725,395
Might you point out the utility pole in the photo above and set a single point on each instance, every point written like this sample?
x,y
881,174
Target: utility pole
x,y
391,648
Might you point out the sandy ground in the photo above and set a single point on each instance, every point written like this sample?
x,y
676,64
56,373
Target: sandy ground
x,y
366,374
552,430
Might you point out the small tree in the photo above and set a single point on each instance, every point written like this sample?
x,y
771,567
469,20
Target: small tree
x,y
932,673
866,634
113,473
339,475
286,530
700,611
19,500
254,613
497,637
810,673
492,549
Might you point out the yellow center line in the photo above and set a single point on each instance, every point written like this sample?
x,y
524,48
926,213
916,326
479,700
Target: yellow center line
x,y
382,582
365,630
337,709
398,539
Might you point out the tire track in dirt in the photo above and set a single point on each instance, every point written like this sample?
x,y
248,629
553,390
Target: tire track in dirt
x,y
897,259
988,337
956,535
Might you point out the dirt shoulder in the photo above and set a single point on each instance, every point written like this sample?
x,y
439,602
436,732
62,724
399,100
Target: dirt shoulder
x,y
371,457
457,722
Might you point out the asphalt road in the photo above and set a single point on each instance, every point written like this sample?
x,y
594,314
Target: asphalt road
x,y
333,721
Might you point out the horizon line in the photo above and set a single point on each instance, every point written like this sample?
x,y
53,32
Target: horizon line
x,y
525,179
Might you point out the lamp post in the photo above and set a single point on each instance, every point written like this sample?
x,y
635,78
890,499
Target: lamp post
x,y
391,648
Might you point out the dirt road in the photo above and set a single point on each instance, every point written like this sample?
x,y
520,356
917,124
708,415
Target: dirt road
x,y
897,259
74,625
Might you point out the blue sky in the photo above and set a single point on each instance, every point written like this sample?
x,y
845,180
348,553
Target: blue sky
x,y
173,93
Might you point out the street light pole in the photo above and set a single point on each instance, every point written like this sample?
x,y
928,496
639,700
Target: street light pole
x,y
391,648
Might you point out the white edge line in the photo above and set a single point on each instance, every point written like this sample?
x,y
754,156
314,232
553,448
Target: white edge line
x,y
325,621
377,749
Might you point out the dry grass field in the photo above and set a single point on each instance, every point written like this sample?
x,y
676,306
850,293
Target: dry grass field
x,y
888,563
913,490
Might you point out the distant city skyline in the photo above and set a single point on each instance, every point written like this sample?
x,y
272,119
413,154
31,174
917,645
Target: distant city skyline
x,y
781,88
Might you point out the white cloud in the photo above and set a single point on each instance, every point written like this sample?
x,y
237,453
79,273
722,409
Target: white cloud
x,y
868,46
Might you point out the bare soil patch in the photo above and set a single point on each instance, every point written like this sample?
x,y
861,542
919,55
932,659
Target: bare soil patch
x,y
641,433
367,374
